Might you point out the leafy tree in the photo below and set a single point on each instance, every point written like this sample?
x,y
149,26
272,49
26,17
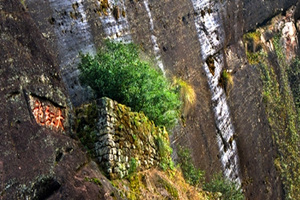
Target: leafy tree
x,y
117,72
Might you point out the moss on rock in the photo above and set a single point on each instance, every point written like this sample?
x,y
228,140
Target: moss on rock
x,y
280,109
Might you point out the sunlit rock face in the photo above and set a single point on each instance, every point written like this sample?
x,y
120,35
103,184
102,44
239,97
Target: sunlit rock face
x,y
180,36
211,37
114,21
209,27
289,34
225,130
66,28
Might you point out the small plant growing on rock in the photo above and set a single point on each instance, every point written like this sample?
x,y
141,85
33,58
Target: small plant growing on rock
x,y
191,174
117,72
226,81
164,150
133,166
187,95
294,80
252,41
228,189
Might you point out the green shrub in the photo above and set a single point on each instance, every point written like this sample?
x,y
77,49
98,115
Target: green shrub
x,y
117,72
226,81
164,150
133,166
228,189
191,174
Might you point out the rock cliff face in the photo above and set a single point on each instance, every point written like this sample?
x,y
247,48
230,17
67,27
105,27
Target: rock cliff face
x,y
227,129
38,157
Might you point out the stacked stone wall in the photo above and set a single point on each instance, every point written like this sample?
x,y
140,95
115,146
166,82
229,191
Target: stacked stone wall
x,y
120,140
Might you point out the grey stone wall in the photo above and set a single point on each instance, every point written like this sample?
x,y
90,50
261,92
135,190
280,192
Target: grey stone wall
x,y
120,140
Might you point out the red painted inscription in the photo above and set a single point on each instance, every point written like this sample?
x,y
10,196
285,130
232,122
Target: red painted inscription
x,y
47,117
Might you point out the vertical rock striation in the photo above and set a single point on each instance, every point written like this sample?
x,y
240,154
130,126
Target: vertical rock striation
x,y
211,37
209,27
225,130
154,38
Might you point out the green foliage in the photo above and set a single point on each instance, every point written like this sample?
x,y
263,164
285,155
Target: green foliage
x,y
253,58
283,120
226,81
117,72
228,189
279,51
255,36
191,174
23,3
132,166
135,184
253,44
164,151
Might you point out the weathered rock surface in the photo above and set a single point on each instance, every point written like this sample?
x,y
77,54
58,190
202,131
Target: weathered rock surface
x,y
38,158
165,30
254,138
256,134
257,12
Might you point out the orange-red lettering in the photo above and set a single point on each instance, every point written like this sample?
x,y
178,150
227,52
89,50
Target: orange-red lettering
x,y
59,119
36,111
47,118
41,115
